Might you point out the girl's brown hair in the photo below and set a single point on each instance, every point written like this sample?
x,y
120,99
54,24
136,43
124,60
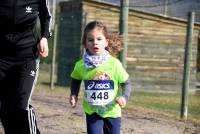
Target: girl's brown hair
x,y
114,39
114,44
92,25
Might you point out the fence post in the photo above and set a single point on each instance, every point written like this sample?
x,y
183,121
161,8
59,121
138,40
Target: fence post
x,y
52,76
186,72
124,10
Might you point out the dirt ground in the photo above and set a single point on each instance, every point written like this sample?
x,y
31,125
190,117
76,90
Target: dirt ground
x,y
55,116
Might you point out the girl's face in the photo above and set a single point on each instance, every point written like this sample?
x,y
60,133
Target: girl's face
x,y
96,42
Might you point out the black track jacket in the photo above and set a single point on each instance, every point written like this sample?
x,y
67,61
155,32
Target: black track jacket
x,y
18,19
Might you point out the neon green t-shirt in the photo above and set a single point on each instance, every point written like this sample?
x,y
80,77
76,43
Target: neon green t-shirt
x,y
101,86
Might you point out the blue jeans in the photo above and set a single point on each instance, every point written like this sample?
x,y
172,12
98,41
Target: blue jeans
x,y
99,125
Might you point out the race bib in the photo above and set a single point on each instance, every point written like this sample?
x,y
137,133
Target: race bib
x,y
99,92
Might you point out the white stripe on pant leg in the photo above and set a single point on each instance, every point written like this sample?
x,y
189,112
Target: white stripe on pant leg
x,y
29,119
32,125
35,80
32,121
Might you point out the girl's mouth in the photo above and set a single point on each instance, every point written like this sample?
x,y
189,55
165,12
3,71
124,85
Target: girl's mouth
x,y
96,49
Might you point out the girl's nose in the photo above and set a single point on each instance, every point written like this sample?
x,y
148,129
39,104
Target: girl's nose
x,y
95,42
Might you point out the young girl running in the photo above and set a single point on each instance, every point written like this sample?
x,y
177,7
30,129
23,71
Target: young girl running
x,y
102,74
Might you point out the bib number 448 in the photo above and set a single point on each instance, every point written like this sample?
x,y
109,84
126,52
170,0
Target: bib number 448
x,y
99,95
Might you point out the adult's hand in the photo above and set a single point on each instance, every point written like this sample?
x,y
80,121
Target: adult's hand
x,y
43,47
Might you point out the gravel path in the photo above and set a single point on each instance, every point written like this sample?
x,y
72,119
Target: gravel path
x,y
55,116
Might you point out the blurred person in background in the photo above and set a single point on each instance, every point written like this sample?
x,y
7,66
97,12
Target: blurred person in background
x,y
20,50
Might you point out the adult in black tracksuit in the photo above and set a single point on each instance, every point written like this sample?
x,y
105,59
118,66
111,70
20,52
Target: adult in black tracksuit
x,y
20,49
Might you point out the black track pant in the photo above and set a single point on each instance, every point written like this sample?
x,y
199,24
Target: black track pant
x,y
17,80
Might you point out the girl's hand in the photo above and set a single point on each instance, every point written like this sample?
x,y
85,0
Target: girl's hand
x,y
73,100
121,101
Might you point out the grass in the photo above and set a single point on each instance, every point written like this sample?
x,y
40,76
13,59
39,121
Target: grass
x,y
167,104
164,103
43,85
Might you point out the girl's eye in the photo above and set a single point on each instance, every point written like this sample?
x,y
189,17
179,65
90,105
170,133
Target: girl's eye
x,y
99,39
90,40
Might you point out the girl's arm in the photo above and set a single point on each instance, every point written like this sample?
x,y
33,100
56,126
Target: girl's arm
x,y
127,88
75,88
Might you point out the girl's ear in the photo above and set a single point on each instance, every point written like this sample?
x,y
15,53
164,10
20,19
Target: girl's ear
x,y
107,41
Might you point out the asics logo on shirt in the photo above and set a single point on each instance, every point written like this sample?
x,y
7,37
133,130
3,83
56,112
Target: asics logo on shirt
x,y
99,84
28,9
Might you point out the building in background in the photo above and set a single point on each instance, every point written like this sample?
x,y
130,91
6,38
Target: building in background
x,y
172,8
155,44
